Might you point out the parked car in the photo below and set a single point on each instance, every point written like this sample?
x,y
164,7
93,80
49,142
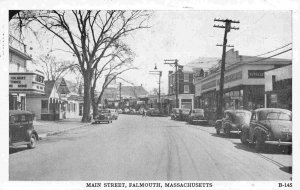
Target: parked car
x,y
232,121
103,116
21,129
153,112
132,111
268,126
120,111
175,113
126,111
114,114
184,114
197,116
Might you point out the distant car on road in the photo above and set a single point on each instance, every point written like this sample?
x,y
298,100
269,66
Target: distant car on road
x,y
153,112
184,114
21,129
232,121
120,111
268,126
114,114
175,113
197,116
103,116
126,111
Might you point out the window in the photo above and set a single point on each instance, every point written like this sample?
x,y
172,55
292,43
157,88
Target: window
x,y
186,89
44,104
186,77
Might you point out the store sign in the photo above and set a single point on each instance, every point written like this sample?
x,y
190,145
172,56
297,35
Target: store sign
x,y
273,98
256,74
232,77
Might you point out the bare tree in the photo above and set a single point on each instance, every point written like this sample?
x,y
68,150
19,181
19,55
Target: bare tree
x,y
54,69
88,35
118,62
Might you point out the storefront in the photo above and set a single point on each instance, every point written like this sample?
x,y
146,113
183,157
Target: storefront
x,y
278,89
243,87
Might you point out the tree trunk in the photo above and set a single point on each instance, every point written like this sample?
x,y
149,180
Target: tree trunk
x,y
86,97
94,103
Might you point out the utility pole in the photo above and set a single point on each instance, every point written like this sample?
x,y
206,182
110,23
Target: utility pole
x,y
175,63
120,90
159,80
227,27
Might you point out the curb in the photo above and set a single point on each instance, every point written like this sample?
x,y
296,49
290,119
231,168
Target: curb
x,y
45,135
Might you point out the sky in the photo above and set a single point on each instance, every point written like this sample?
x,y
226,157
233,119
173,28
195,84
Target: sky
x,y
189,34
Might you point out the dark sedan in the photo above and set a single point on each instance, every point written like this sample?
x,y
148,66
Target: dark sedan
x,y
268,126
197,116
21,129
232,121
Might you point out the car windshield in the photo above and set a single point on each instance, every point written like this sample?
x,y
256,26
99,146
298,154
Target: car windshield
x,y
199,111
276,115
104,111
185,111
242,117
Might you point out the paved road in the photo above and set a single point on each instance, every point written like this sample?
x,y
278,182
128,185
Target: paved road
x,y
137,148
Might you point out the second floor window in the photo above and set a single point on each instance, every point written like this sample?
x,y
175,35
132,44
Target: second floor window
x,y
186,89
186,77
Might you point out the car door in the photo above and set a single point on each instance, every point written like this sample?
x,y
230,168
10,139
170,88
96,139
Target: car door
x,y
23,127
13,128
252,125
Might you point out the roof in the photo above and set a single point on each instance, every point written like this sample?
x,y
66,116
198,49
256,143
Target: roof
x,y
18,112
272,109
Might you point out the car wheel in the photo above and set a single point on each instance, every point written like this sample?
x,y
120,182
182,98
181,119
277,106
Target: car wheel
x,y
244,137
32,143
227,131
259,142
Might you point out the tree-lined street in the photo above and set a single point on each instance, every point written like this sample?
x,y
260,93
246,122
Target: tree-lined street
x,y
146,148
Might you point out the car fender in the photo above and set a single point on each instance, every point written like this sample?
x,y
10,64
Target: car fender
x,y
32,131
218,124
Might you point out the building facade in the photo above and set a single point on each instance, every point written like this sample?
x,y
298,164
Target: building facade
x,y
185,89
22,81
278,88
244,83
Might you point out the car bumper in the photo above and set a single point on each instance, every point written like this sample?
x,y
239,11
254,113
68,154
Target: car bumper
x,y
199,121
279,143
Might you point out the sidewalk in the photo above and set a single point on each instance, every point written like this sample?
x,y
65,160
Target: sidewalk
x,y
48,128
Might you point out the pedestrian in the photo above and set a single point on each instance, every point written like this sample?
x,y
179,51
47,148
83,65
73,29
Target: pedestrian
x,y
143,113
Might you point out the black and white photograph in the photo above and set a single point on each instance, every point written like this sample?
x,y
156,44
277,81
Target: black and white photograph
x,y
126,96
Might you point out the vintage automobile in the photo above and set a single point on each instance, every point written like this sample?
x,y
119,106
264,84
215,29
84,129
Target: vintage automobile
x,y
232,121
175,113
197,116
114,114
268,126
153,112
184,114
104,115
21,129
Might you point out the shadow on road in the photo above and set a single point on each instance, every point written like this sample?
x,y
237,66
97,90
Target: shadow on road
x,y
287,169
222,135
269,149
17,149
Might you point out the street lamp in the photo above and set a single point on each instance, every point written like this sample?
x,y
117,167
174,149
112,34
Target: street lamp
x,y
156,72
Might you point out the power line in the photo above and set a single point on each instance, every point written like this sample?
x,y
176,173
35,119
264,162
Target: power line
x,y
271,50
270,56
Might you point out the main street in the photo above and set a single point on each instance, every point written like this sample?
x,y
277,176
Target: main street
x,y
146,148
